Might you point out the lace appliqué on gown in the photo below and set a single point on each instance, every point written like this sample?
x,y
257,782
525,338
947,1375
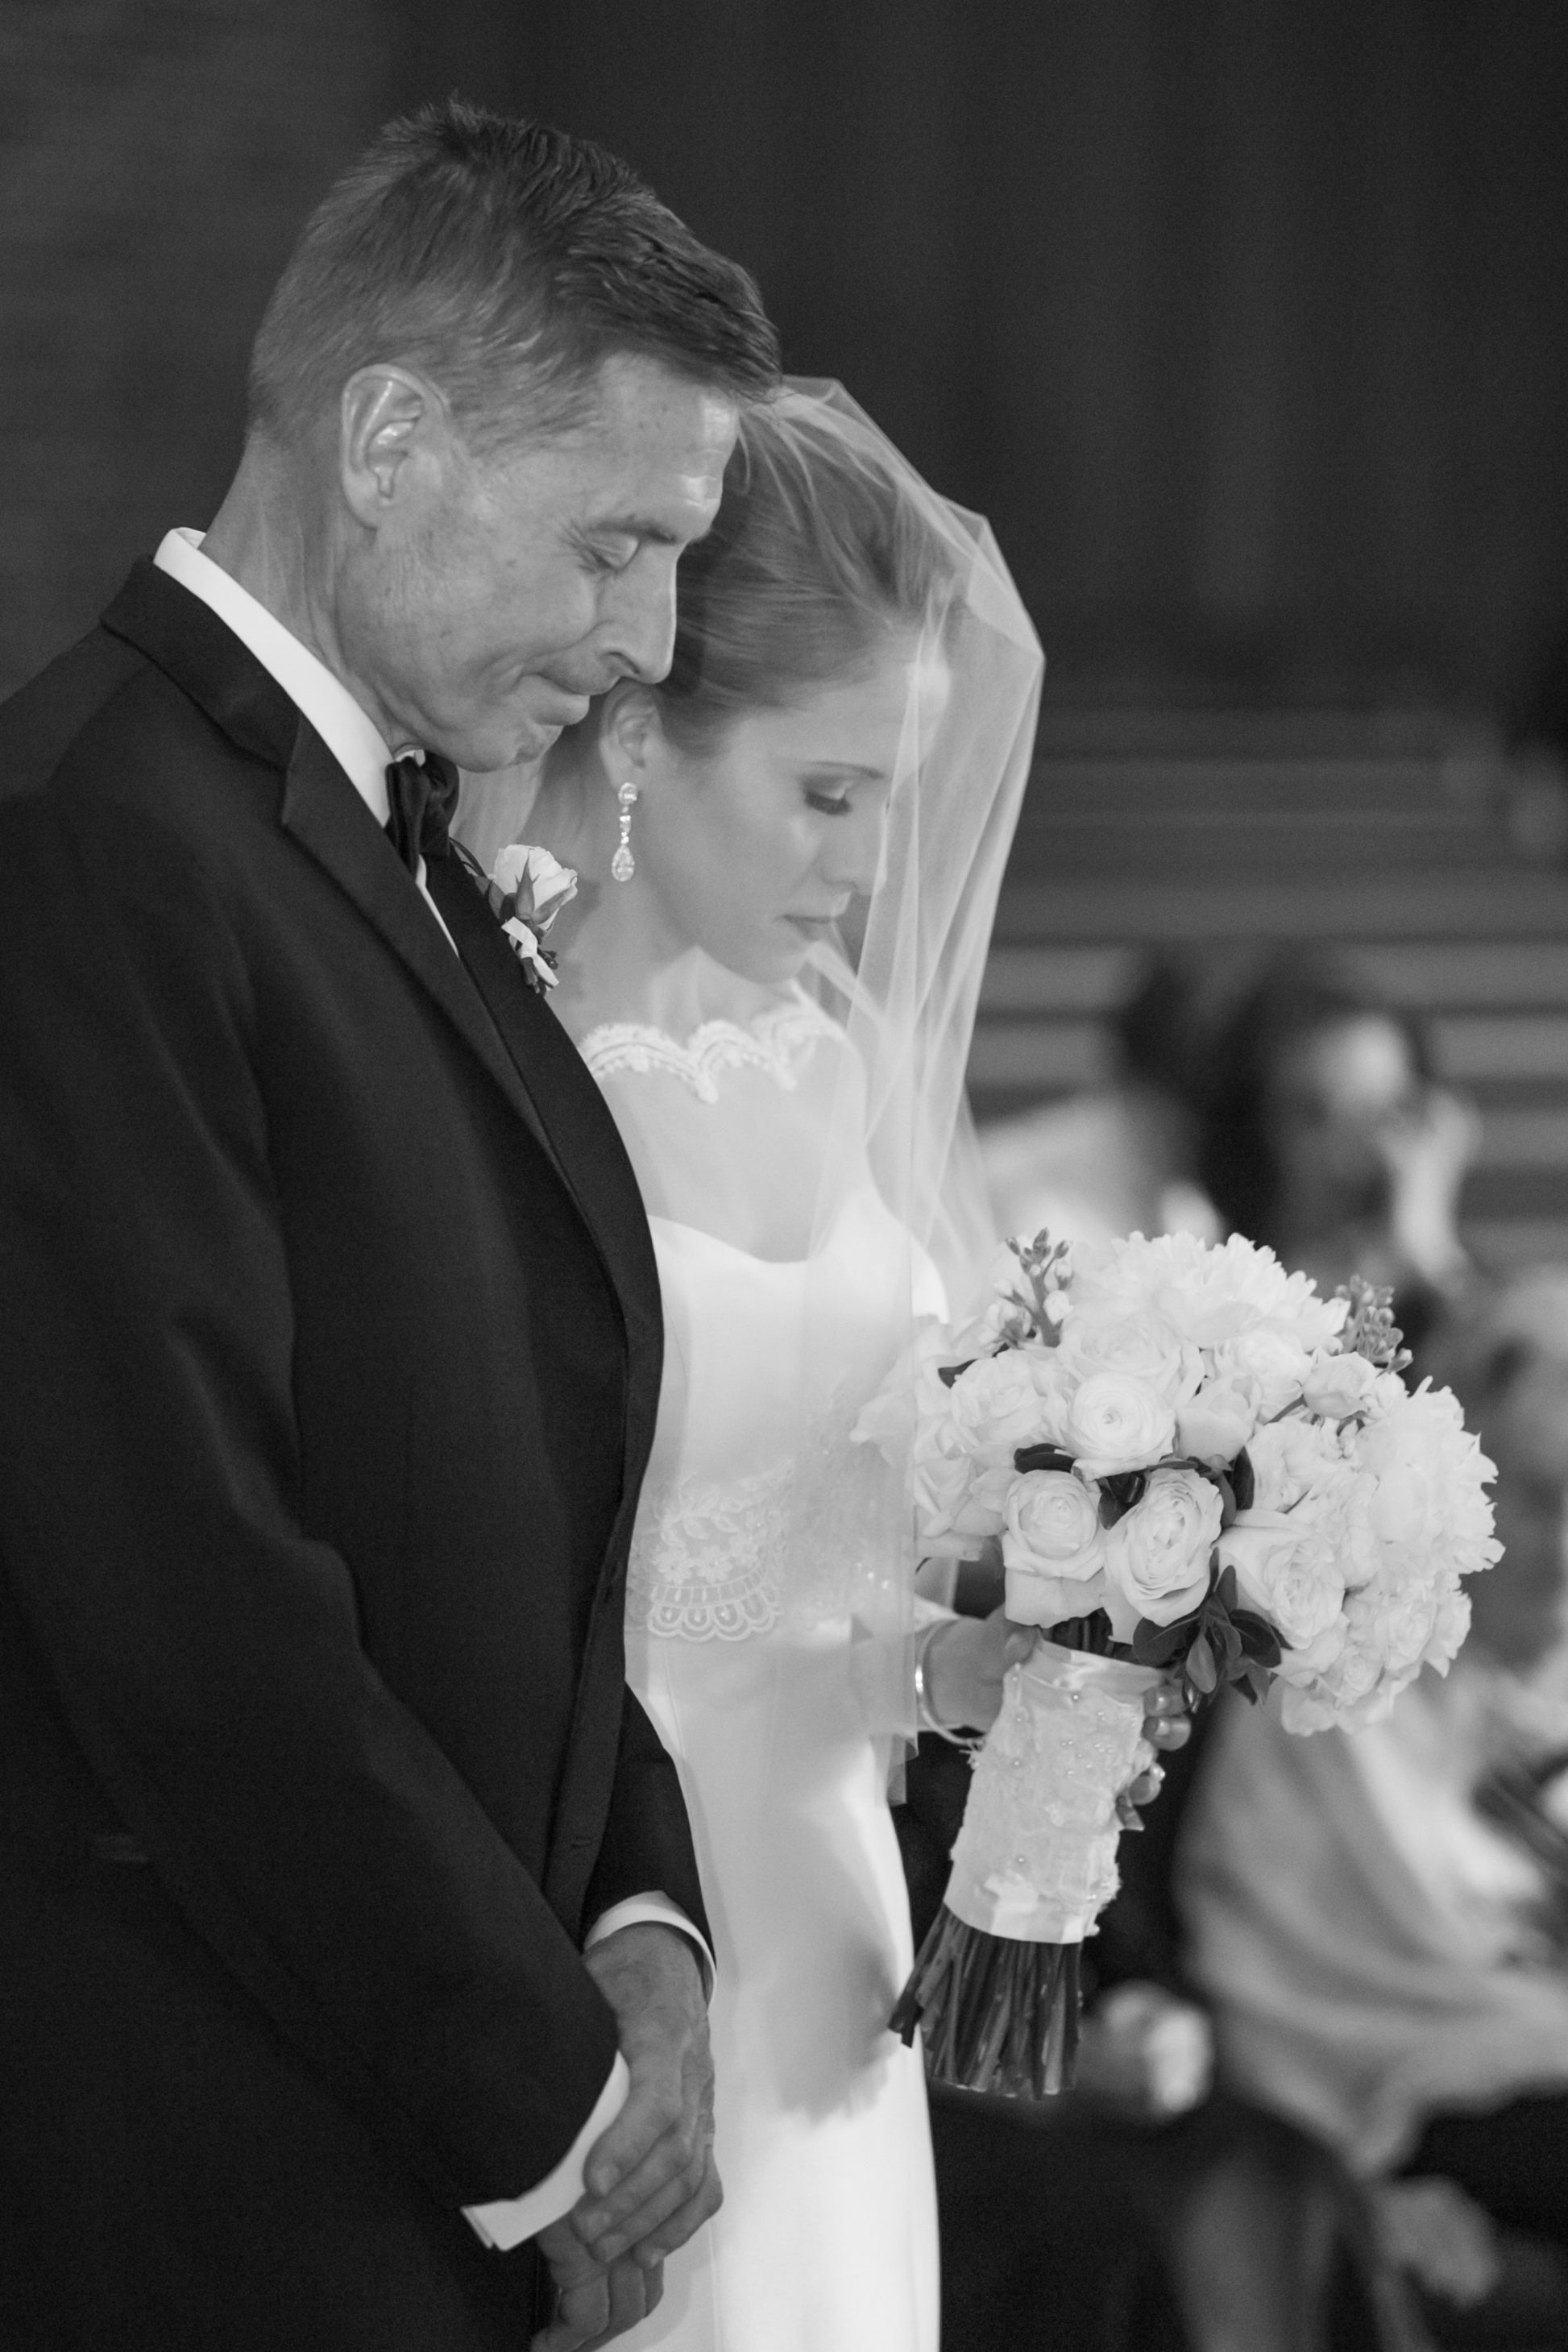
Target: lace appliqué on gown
x,y
780,1041
706,1556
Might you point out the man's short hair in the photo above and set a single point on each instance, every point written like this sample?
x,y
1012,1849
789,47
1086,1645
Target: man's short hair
x,y
506,262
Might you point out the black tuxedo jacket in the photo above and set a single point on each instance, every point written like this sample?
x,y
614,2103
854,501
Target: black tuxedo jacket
x,y
331,1350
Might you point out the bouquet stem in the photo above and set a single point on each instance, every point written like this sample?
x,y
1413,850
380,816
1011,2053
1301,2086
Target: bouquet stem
x,y
999,2015
995,1988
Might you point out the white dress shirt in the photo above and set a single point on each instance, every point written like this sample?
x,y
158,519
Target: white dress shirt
x,y
356,743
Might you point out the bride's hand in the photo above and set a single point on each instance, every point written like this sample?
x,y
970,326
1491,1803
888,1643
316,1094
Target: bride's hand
x,y
964,1663
967,1659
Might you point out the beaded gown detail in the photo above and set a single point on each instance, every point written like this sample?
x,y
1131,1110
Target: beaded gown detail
x,y
744,1644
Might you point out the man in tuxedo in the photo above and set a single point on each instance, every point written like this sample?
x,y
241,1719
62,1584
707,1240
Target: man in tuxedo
x,y
351,1942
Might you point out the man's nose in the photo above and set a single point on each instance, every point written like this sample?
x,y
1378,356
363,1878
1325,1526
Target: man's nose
x,y
638,629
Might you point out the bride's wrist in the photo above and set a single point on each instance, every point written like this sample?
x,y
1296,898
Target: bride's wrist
x,y
928,1715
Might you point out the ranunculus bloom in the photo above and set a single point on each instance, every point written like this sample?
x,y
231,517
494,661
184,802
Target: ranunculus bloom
x,y
1053,1547
1116,1421
1286,1568
1157,1555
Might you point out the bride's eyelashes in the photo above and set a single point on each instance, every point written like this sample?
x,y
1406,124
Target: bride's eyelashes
x,y
830,803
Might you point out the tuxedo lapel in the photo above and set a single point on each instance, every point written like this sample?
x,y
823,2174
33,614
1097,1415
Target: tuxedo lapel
x,y
319,809
324,813
586,1144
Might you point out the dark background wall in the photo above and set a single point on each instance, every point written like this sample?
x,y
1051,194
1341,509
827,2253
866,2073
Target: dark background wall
x,y
1245,320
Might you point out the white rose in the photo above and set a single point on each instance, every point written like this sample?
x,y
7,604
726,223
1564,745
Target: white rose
x,y
1157,1555
1337,1386
1217,1423
535,875
1053,1547
1287,1571
1149,1348
958,1503
941,1485
1274,1358
1000,1402
1114,1421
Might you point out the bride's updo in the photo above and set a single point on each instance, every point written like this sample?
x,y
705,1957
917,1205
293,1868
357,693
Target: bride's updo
x,y
816,559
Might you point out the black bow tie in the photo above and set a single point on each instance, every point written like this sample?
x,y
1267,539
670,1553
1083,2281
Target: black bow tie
x,y
421,796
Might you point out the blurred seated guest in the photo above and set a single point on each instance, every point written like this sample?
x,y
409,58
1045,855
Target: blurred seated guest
x,y
1119,1159
1325,1137
1380,1919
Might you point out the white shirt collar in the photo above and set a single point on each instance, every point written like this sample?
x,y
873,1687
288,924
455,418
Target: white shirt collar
x,y
349,733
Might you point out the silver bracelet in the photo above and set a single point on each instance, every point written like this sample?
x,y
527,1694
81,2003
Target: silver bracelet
x,y
926,1717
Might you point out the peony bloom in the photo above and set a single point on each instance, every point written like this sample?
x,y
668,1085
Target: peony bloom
x,y
1284,1569
1210,1295
1116,1421
1157,1555
1053,1547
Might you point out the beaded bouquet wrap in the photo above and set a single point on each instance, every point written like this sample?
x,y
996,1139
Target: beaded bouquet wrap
x,y
1193,1467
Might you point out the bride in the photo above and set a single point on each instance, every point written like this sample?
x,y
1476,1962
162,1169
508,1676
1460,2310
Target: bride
x,y
789,853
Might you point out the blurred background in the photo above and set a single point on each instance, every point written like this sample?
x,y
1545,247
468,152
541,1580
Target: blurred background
x,y
1245,322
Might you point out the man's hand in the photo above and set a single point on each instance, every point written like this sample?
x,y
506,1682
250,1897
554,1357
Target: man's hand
x,y
593,2304
651,2181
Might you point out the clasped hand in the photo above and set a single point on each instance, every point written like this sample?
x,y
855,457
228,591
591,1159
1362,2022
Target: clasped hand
x,y
650,2179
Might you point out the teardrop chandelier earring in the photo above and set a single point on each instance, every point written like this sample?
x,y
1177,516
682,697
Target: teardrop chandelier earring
x,y
623,864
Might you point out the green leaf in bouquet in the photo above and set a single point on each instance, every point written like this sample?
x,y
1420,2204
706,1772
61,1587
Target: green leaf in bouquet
x,y
948,1373
1201,1667
1121,1494
1041,1457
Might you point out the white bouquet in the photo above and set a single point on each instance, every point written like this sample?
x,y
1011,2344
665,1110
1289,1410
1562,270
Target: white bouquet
x,y
1193,1465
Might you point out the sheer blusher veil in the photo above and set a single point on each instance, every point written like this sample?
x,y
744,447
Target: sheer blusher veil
x,y
879,1090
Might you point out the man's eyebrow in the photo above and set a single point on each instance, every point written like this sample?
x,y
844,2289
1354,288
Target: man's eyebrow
x,y
636,526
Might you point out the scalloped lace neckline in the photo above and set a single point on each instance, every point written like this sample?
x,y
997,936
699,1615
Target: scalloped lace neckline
x,y
779,1041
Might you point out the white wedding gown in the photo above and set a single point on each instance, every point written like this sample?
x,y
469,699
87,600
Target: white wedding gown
x,y
739,1644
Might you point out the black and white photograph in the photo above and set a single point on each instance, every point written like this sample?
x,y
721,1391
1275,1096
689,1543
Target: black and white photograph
x,y
783,1176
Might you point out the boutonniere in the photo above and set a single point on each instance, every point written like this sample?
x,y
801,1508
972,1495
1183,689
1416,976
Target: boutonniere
x,y
527,889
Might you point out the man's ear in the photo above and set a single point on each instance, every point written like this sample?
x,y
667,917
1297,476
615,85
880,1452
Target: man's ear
x,y
388,417
631,734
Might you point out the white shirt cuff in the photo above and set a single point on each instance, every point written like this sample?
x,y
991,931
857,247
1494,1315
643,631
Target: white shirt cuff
x,y
655,1908
509,2220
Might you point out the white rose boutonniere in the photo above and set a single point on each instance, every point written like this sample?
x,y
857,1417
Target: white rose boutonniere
x,y
527,889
